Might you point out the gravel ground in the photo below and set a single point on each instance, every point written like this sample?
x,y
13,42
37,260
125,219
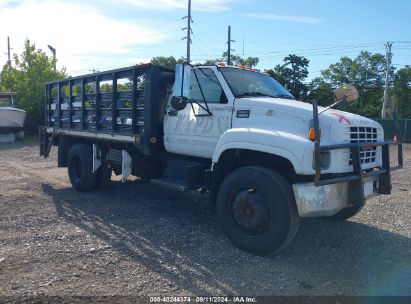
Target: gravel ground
x,y
136,238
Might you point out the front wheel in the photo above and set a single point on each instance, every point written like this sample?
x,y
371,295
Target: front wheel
x,y
257,211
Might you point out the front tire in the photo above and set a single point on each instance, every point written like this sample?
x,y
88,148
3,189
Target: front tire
x,y
256,209
80,168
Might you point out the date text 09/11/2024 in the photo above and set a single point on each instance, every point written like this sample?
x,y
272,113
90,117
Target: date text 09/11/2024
x,y
237,299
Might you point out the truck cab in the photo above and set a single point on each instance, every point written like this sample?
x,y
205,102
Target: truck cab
x,y
266,159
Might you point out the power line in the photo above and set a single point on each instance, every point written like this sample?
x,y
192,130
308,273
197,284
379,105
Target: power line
x,y
335,50
207,46
162,24
369,45
209,36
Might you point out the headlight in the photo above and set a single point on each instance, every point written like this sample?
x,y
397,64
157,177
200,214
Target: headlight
x,y
325,160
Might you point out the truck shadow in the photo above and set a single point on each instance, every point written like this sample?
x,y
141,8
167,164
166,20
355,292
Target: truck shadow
x,y
176,236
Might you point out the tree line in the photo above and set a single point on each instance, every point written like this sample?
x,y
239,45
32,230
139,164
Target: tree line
x,y
28,72
366,72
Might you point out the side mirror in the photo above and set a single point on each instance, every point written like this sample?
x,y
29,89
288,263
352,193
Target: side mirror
x,y
178,103
346,93
182,81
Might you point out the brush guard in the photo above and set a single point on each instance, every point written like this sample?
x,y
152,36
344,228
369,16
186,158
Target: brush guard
x,y
381,176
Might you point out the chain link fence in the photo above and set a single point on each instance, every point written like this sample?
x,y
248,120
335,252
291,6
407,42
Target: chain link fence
x,y
389,128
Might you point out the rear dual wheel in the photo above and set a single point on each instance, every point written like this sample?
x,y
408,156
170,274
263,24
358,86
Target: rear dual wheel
x,y
257,211
80,169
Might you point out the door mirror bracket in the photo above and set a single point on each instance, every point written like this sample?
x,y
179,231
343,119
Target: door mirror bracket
x,y
179,102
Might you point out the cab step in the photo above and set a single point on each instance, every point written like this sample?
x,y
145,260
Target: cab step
x,y
182,176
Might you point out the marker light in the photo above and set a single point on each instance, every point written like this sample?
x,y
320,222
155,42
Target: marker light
x,y
311,134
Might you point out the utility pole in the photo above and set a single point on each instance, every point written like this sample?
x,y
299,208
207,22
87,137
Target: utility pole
x,y
53,51
189,31
8,48
243,45
8,51
388,46
229,46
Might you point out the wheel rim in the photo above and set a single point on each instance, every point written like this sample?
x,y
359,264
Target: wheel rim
x,y
251,211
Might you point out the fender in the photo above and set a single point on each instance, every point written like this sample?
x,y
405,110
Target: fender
x,y
280,143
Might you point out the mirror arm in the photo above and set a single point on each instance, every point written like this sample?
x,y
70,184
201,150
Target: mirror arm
x,y
332,106
317,152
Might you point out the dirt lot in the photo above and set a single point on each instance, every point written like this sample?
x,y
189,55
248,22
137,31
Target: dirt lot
x,y
136,238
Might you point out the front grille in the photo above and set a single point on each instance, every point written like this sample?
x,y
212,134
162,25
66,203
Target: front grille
x,y
357,134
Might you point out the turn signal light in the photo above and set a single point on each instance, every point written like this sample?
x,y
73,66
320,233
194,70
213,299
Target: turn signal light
x,y
312,134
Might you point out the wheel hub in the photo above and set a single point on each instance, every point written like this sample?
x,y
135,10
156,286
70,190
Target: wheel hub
x,y
251,212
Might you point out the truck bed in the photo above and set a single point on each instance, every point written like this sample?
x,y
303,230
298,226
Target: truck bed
x,y
126,104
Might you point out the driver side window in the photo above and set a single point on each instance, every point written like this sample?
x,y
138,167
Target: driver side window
x,y
207,80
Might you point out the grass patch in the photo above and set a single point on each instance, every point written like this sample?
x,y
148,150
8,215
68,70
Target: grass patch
x,y
29,140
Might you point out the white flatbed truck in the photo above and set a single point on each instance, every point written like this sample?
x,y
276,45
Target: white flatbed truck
x,y
266,159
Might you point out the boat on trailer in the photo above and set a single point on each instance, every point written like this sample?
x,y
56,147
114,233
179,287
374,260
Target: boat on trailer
x,y
11,118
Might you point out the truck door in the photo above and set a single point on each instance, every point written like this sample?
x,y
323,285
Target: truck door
x,y
193,131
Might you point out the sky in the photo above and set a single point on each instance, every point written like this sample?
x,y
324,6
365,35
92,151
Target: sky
x,y
107,34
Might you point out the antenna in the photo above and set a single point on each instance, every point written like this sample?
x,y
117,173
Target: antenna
x,y
189,31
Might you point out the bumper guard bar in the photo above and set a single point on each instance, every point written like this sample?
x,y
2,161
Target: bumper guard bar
x,y
357,178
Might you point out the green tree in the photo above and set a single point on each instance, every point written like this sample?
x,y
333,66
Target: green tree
x,y
236,60
169,62
321,91
27,75
367,73
401,92
292,74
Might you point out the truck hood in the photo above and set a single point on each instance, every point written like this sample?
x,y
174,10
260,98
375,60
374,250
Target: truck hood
x,y
295,116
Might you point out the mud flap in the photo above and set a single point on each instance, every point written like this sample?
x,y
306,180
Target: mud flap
x,y
44,141
126,166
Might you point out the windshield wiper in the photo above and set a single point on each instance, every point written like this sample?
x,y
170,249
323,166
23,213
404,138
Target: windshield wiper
x,y
253,94
285,96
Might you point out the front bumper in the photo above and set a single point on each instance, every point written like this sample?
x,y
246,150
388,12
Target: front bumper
x,y
328,199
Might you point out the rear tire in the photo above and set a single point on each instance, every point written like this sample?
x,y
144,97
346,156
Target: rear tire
x,y
345,214
80,168
256,209
103,176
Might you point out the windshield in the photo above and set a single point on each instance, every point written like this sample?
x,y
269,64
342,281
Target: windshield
x,y
5,101
245,83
